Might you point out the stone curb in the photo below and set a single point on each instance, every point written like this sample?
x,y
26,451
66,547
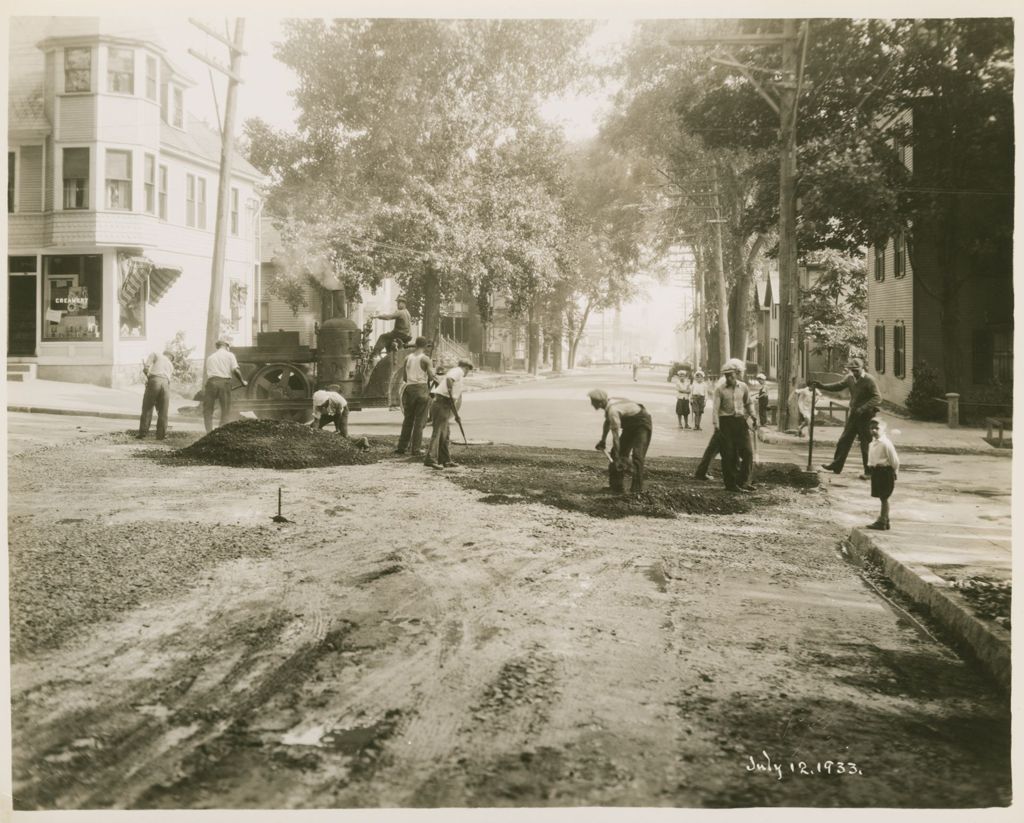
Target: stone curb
x,y
173,418
987,451
988,642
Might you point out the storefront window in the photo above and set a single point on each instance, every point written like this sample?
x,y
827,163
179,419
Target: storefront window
x,y
72,297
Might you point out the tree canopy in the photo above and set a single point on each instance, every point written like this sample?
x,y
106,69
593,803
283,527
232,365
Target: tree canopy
x,y
403,125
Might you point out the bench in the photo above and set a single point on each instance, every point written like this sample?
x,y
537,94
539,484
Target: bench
x,y
1000,424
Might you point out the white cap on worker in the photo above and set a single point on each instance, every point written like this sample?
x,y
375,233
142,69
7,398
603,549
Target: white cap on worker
x,y
733,364
320,397
761,376
600,395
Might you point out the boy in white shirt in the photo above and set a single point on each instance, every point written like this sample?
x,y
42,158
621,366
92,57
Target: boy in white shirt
x,y
884,465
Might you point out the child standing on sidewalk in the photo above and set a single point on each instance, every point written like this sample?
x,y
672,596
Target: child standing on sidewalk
x,y
884,465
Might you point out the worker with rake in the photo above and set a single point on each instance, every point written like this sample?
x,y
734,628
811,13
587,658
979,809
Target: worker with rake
x,y
447,396
630,426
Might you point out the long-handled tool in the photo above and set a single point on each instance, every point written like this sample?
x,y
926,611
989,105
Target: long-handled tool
x,y
279,518
458,420
810,433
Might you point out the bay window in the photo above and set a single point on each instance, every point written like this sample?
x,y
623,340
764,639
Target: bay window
x,y
76,178
121,71
78,70
119,180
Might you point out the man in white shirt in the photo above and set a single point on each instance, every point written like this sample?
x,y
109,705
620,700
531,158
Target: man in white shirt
x,y
447,399
158,370
220,367
330,407
419,375
732,405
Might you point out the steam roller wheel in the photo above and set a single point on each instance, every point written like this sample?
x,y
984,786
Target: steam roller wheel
x,y
395,389
282,381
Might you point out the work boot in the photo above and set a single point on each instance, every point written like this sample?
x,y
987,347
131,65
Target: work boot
x,y
451,464
830,467
749,487
399,451
879,525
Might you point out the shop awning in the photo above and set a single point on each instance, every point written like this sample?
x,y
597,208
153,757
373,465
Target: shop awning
x,y
134,270
161,278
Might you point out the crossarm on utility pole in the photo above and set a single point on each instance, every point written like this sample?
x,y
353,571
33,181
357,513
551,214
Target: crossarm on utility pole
x,y
753,80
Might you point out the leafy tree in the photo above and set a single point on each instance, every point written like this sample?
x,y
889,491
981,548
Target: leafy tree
x,y
832,308
660,80
854,188
395,119
606,230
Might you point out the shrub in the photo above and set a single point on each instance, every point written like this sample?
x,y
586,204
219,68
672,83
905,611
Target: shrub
x,y
921,402
179,354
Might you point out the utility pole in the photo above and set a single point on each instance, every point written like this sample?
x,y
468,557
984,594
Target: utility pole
x,y
224,185
788,88
723,295
789,283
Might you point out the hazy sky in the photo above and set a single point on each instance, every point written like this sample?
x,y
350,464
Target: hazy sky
x,y
265,92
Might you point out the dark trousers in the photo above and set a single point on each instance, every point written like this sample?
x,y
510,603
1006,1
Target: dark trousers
x,y
856,427
340,421
217,392
386,340
441,417
157,396
415,400
633,443
737,454
762,409
714,447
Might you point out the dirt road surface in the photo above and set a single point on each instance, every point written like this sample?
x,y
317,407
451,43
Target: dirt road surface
x,y
404,644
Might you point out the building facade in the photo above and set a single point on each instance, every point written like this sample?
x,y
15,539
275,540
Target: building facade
x,y
111,201
942,296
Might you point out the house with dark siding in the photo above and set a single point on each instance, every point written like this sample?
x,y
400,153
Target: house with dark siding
x,y
941,292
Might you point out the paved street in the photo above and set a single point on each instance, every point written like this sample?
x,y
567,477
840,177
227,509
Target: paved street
x,y
404,643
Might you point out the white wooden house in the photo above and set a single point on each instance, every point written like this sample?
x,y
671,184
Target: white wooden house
x,y
111,202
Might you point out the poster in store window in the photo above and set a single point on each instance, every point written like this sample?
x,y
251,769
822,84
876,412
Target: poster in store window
x,y
60,289
78,298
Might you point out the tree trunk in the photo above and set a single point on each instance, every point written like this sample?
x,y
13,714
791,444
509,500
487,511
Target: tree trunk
x,y
723,301
556,347
723,293
576,334
700,359
432,306
533,339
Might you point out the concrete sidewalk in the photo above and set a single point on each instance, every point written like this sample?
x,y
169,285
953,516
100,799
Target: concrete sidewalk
x,y
951,524
906,434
